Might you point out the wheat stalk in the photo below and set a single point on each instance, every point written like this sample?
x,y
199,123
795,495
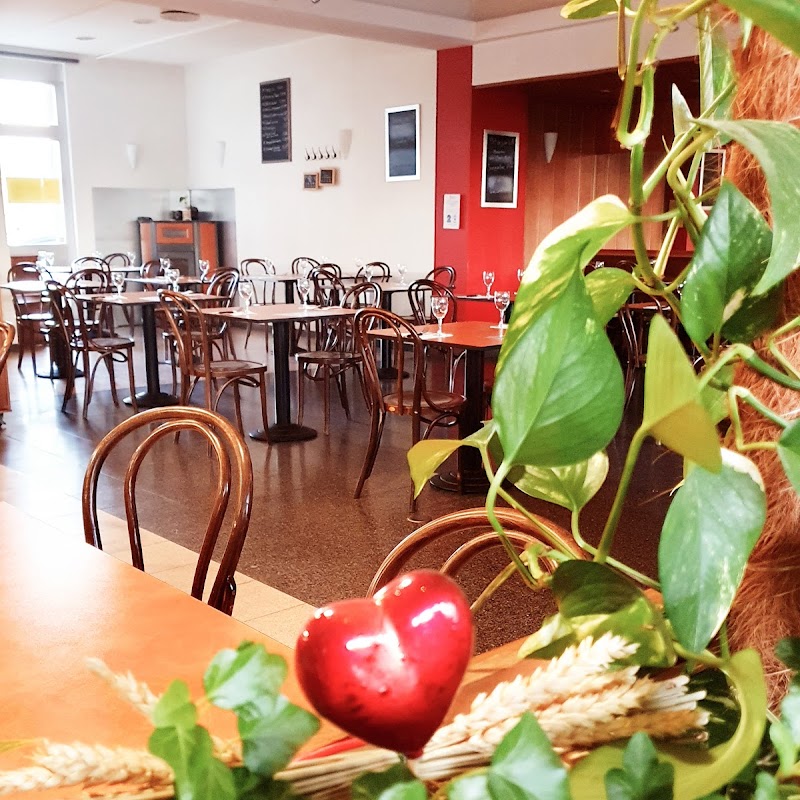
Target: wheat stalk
x,y
71,764
137,693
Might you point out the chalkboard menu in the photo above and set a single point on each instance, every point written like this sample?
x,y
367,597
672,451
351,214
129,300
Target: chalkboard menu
x,y
276,121
500,157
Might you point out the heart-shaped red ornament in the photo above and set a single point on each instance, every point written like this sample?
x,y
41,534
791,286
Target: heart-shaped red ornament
x,y
386,668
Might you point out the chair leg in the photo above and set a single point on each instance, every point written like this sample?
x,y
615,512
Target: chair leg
x,y
326,399
23,335
237,406
249,329
375,433
301,393
111,379
70,387
33,348
262,390
87,384
132,380
341,385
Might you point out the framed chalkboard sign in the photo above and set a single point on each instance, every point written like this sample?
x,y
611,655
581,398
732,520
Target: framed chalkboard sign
x,y
402,143
276,121
500,169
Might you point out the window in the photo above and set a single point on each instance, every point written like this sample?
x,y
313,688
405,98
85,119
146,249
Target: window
x,y
31,168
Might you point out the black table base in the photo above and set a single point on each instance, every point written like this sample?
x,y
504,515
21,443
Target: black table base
x,y
152,400
473,483
284,433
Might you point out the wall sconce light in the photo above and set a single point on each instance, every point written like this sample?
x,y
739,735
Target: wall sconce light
x,y
345,140
221,145
550,139
132,151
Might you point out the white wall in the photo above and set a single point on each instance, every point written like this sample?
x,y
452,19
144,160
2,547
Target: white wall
x,y
111,104
336,84
541,44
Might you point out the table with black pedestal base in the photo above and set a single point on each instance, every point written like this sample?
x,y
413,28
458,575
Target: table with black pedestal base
x,y
478,339
281,316
288,279
152,397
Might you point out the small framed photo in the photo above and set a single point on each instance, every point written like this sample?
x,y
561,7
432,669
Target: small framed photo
x,y
712,168
311,180
328,176
499,174
402,143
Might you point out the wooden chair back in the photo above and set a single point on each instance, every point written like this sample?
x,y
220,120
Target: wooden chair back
x,y
472,534
7,332
91,261
101,277
420,293
69,314
363,295
151,269
23,271
444,275
302,264
117,259
329,266
27,302
328,288
234,490
379,269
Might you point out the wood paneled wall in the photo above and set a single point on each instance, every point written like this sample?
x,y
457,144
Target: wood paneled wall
x,y
587,163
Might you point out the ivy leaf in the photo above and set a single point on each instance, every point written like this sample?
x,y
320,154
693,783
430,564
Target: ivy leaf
x,y
571,487
471,787
709,532
776,145
781,18
643,776
673,411
784,744
425,457
272,730
395,783
790,712
716,66
525,767
788,651
766,787
236,677
719,702
175,708
731,256
697,774
789,453
608,288
257,787
189,751
681,113
588,9
592,600
558,389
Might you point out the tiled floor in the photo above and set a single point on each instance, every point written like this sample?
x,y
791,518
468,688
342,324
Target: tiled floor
x,y
309,541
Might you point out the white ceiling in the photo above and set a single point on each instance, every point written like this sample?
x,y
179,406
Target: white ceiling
x,y
230,26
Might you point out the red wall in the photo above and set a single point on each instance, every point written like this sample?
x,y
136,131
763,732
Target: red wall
x,y
453,134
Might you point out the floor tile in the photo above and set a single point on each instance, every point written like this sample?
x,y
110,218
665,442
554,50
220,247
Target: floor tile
x,y
254,599
284,626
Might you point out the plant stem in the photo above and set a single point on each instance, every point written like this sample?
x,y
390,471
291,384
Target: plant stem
x,y
709,659
626,137
723,641
618,565
755,403
606,540
636,203
493,586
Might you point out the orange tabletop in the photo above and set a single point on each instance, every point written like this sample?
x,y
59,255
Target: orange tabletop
x,y
467,335
281,312
62,601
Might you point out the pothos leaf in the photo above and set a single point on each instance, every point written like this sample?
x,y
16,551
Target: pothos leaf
x,y
175,707
643,776
681,113
588,9
781,18
789,453
237,677
788,651
609,288
395,783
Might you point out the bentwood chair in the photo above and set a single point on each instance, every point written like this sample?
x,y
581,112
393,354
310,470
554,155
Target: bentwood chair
x,y
196,362
253,267
302,264
337,354
380,271
91,261
329,266
80,328
469,533
233,493
444,275
425,405
117,260
31,310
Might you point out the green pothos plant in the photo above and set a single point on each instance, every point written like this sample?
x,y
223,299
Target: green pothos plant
x,y
558,396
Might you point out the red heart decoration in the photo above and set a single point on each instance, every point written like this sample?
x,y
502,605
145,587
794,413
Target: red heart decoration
x,y
386,668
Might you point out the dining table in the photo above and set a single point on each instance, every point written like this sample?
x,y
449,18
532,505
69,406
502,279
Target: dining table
x,y
478,339
153,396
281,316
63,601
288,279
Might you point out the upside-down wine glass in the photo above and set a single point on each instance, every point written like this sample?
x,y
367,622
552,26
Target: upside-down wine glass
x,y
501,303
165,265
401,271
439,308
246,293
303,288
118,279
172,274
131,258
203,265
369,272
488,280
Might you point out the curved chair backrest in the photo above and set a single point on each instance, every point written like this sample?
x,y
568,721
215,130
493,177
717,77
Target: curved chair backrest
x,y
329,266
379,269
363,295
477,536
404,335
420,293
444,275
303,264
23,271
234,481
75,281
328,289
69,314
91,261
151,269
224,284
117,259
257,266
7,332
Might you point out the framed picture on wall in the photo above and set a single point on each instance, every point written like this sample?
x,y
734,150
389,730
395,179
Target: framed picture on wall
x,y
311,180
499,174
402,143
327,176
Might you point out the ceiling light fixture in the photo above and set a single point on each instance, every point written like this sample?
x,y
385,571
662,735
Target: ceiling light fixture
x,y
175,15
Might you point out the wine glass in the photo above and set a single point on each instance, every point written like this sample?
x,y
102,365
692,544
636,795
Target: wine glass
x,y
501,302
401,271
131,258
303,288
439,308
246,293
203,265
118,279
165,265
488,280
369,272
172,274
